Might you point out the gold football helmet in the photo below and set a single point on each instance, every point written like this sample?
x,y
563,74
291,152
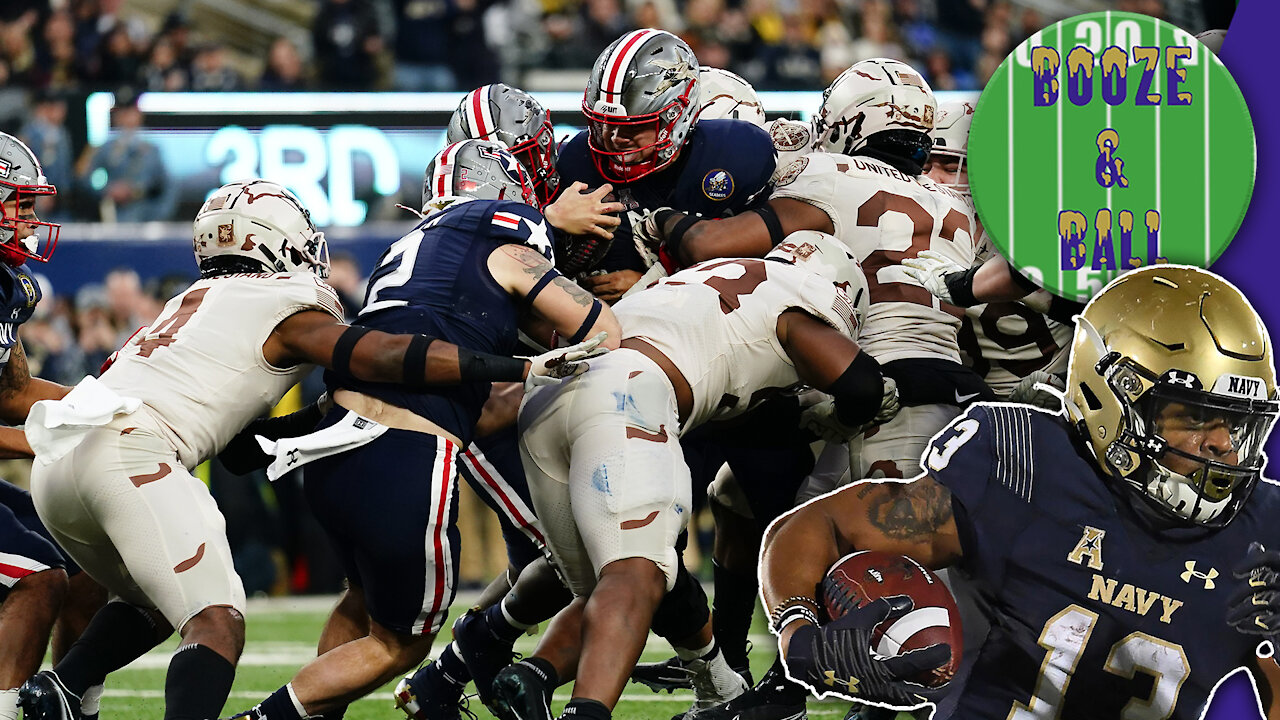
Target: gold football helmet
x,y
1172,383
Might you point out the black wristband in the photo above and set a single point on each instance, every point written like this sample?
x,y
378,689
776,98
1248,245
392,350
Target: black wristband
x,y
1063,310
342,349
960,285
771,221
544,281
676,237
415,361
483,367
858,391
587,324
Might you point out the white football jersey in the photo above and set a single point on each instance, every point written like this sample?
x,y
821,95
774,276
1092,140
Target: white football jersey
x,y
1005,342
725,341
199,367
883,216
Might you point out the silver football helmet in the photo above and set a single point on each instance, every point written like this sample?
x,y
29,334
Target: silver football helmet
x,y
23,236
515,119
726,95
871,97
475,170
951,143
645,83
263,222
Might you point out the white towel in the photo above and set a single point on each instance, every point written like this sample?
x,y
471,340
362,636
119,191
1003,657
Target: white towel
x,y
348,433
55,427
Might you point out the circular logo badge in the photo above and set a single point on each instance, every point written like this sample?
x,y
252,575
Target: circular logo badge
x,y
1107,142
717,185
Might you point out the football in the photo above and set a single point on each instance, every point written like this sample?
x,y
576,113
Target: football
x,y
862,577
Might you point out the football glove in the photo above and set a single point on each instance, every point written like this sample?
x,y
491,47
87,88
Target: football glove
x,y
644,227
837,658
553,366
1255,608
822,421
1041,389
932,269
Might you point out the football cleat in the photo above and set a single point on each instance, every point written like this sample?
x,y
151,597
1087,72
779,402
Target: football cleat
x,y
714,683
775,698
44,697
521,692
427,695
483,653
669,675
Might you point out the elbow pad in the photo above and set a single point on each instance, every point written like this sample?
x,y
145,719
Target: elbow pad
x,y
859,391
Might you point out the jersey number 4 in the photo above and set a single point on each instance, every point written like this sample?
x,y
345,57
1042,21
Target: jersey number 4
x,y
1065,636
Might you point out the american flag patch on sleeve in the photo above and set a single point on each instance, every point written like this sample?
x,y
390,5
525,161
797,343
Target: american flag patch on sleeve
x,y
506,220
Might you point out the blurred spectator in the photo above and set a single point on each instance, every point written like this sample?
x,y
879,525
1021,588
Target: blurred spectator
x,y
877,35
59,65
284,70
793,64
347,44
422,47
995,46
127,175
50,341
937,71
128,307
117,63
95,335
474,61
210,72
163,72
18,50
46,134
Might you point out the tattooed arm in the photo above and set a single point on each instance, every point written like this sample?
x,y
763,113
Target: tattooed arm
x,y
19,391
561,304
906,518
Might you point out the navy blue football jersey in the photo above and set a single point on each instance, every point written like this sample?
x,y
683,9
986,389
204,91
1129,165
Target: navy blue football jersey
x,y
723,169
1094,614
436,281
19,293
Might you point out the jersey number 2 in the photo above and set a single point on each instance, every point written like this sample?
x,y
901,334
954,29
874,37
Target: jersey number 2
x,y
1065,636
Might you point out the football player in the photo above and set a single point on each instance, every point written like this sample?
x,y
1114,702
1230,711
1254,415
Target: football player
x,y
866,187
514,118
476,271
40,587
1004,342
644,138
604,460
112,478
1103,536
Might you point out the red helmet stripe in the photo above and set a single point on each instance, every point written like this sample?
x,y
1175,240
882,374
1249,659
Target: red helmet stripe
x,y
616,66
478,112
444,171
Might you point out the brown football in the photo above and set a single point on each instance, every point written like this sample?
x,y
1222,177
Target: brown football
x,y
861,577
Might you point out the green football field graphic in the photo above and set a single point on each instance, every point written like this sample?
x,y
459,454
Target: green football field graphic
x,y
1042,172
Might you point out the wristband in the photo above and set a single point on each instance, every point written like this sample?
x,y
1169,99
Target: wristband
x,y
483,367
960,286
587,324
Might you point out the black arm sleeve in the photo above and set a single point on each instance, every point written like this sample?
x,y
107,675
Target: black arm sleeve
x,y
858,391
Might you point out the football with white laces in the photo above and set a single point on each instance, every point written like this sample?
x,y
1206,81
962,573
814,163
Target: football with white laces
x,y
864,576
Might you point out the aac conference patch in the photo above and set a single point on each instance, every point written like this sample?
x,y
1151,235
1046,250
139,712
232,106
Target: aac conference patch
x,y
1106,142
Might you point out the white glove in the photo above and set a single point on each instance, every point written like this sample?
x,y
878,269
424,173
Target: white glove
x,y
1040,389
560,363
644,228
821,419
930,269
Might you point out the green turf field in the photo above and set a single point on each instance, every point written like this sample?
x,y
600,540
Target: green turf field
x,y
281,638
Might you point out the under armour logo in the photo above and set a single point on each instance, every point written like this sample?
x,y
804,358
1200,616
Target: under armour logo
x,y
831,681
1206,577
293,457
1185,379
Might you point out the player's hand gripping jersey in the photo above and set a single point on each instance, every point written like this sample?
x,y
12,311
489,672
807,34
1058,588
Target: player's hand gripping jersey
x,y
884,215
717,322
199,368
1096,616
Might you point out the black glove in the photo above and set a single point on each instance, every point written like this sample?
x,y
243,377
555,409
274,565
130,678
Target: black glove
x,y
243,454
837,658
1255,607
